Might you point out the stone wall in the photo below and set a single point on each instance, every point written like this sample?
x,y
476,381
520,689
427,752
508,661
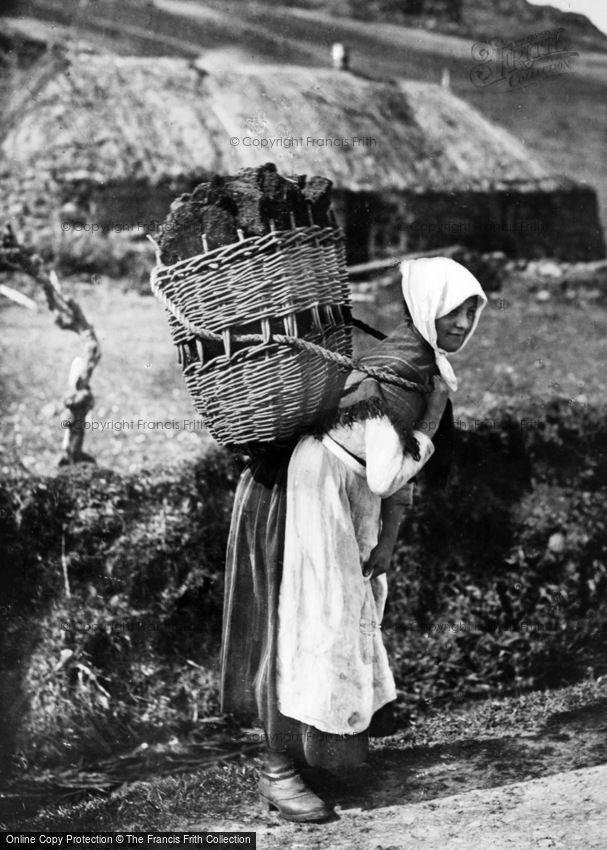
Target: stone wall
x,y
86,225
523,221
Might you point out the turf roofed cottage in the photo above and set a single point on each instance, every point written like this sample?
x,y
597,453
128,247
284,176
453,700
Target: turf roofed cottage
x,y
97,145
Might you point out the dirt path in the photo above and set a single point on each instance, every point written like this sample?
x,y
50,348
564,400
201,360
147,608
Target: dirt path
x,y
541,785
567,811
526,771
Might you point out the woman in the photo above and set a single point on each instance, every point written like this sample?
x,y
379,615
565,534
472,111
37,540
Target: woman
x,y
312,534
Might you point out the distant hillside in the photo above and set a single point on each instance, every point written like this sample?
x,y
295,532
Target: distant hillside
x,y
479,19
516,18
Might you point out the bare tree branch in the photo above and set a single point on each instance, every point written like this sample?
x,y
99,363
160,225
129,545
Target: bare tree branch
x,y
68,315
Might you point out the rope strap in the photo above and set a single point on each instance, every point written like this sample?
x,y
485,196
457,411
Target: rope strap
x,y
386,375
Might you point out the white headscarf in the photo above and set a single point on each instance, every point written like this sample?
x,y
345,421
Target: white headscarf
x,y
433,287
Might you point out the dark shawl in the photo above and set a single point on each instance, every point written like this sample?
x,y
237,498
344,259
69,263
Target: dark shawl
x,y
406,353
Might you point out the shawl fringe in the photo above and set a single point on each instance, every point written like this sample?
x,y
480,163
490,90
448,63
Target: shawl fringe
x,y
370,408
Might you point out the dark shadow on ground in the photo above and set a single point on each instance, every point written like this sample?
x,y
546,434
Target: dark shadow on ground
x,y
398,774
222,787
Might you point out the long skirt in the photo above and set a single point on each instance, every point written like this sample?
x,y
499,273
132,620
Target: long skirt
x,y
252,584
254,566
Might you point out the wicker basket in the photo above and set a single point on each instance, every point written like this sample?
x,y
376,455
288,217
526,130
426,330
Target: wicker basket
x,y
228,308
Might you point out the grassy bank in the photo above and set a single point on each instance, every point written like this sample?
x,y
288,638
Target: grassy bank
x,y
112,591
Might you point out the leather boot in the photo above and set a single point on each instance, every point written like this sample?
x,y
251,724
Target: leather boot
x,y
281,787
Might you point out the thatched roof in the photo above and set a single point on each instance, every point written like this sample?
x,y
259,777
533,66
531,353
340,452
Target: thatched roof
x,y
123,117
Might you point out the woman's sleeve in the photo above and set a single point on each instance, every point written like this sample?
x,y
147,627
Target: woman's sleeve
x,y
388,466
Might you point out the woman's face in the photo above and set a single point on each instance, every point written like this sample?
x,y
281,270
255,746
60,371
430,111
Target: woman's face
x,y
452,329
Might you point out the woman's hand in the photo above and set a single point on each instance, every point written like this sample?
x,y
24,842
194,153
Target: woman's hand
x,y
378,562
437,401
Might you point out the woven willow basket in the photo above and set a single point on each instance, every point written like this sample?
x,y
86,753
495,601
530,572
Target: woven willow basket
x,y
243,317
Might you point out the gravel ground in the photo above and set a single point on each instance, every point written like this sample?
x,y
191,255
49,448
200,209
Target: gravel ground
x,y
565,812
525,771
537,784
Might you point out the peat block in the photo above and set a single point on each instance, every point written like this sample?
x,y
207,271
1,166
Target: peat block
x,y
252,202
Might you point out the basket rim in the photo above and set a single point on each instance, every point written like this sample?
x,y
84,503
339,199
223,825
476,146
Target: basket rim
x,y
250,244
